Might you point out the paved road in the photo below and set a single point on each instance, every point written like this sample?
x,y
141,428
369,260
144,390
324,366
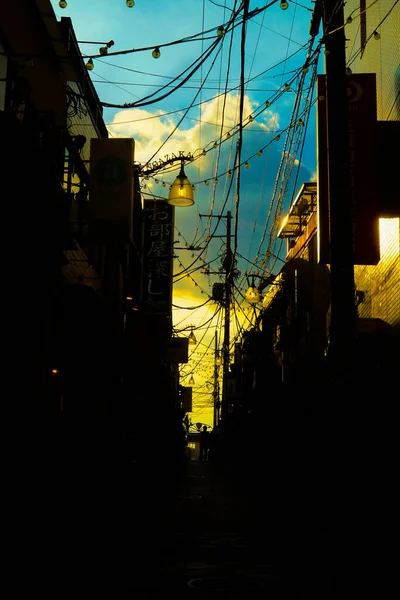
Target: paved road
x,y
222,532
215,532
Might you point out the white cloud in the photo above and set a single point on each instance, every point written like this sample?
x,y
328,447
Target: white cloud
x,y
151,130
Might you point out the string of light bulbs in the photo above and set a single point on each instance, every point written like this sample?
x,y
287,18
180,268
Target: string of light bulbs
x,y
63,4
234,130
374,35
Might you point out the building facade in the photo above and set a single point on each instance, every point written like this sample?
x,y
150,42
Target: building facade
x,y
64,300
283,380
373,53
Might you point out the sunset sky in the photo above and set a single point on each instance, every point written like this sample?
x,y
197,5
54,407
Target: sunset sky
x,y
177,112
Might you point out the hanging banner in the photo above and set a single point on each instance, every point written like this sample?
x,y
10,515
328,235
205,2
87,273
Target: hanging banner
x,y
362,124
157,257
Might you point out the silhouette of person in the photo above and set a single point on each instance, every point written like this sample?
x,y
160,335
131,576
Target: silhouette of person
x,y
204,444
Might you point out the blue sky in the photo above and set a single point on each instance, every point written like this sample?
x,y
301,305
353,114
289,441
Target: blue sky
x,y
199,113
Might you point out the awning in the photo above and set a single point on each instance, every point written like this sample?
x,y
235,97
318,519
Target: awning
x,y
300,212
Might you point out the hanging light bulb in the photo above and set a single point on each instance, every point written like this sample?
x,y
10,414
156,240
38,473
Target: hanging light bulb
x,y
191,380
349,20
130,3
192,337
277,138
377,35
164,184
287,87
284,4
62,4
156,52
259,152
228,134
229,174
216,180
204,152
251,118
207,182
90,64
300,122
252,295
218,360
181,191
215,145
221,31
246,165
268,103
104,49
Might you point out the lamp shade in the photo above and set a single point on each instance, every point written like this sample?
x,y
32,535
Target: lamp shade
x,y
191,380
192,337
181,191
252,295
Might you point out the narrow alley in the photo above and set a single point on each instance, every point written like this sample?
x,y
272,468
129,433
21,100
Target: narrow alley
x,y
222,532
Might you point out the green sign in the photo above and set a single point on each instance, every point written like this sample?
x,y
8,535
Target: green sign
x,y
110,171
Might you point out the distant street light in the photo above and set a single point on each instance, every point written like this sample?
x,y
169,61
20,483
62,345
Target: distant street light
x,y
192,337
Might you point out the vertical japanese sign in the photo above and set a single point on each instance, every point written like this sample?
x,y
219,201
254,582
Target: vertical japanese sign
x,y
187,402
157,257
362,123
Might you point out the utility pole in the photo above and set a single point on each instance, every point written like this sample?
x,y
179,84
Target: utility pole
x,y
216,384
228,269
343,308
337,447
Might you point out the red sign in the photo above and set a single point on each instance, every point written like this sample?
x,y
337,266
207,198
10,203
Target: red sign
x,y
362,124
